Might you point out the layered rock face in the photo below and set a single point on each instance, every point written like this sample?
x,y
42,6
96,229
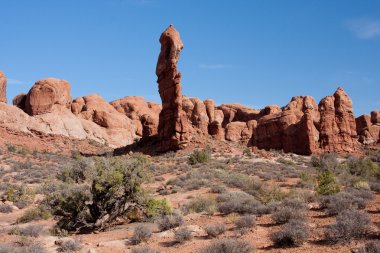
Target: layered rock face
x,y
292,129
337,126
47,93
3,88
173,124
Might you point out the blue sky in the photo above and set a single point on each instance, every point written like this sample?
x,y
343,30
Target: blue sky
x,y
256,52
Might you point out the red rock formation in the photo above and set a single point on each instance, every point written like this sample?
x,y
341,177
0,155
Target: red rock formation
x,y
143,114
3,88
292,129
94,108
47,93
19,101
375,117
337,126
173,125
368,133
196,113
238,112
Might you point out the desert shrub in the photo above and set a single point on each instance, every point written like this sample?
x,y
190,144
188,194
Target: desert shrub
x,y
200,204
23,151
7,248
237,202
246,222
82,169
374,155
170,221
113,190
314,160
215,229
11,148
267,208
370,247
269,194
157,207
328,161
141,233
69,245
375,186
361,185
295,233
295,203
247,152
284,214
228,246
144,250
32,247
362,167
182,234
307,181
218,189
342,201
32,230
20,195
327,183
349,224
5,208
200,156
38,213
288,210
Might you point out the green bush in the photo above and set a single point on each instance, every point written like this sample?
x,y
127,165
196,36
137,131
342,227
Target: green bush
x,y
327,183
201,204
20,195
38,213
157,207
200,156
111,190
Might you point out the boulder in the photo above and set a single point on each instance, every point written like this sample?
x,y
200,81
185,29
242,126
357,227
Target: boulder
x,y
46,94
270,109
19,101
3,87
368,133
375,117
238,112
196,113
173,124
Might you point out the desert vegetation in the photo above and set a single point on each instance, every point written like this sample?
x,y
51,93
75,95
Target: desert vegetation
x,y
215,201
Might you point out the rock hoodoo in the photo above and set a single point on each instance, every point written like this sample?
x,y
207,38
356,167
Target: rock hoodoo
x,y
3,87
172,126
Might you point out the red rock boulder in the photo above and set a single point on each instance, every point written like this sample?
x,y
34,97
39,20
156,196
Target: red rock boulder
x,y
375,117
368,133
47,93
19,101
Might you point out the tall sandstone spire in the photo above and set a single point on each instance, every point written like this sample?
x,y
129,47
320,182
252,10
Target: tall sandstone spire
x,y
172,127
3,87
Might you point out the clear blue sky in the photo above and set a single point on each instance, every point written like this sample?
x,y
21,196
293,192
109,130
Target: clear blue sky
x,y
256,52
